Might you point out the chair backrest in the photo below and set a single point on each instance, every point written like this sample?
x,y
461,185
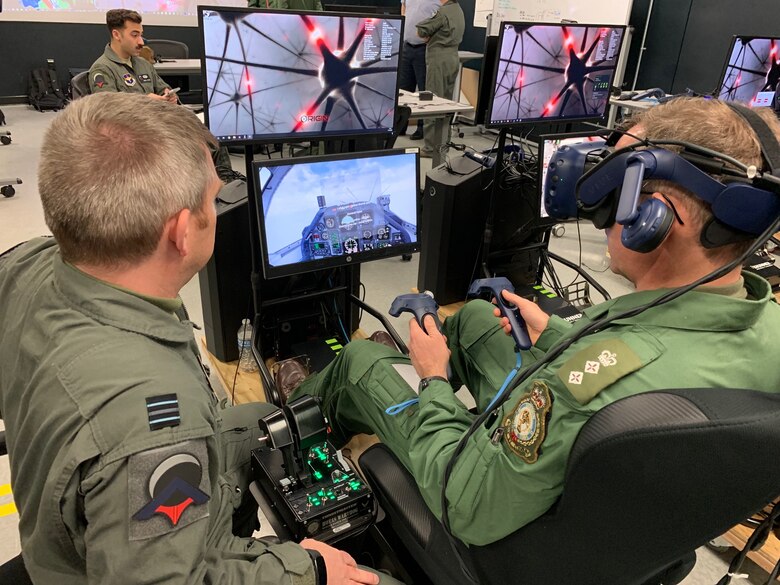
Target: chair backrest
x,y
165,49
79,85
651,477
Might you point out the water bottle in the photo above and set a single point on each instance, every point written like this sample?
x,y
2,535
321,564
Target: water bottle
x,y
246,361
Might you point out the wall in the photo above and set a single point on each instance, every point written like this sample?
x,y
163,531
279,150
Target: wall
x,y
688,40
26,45
711,25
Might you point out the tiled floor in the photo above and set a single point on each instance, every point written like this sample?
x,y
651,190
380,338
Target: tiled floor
x,y
21,218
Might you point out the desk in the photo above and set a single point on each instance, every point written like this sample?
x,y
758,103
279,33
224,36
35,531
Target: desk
x,y
463,56
178,67
438,109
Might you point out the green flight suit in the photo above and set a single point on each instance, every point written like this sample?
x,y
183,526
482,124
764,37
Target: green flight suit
x,y
307,5
444,31
703,339
79,362
110,73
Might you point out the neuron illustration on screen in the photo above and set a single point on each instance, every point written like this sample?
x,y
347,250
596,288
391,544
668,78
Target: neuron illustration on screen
x,y
752,71
553,71
336,211
275,75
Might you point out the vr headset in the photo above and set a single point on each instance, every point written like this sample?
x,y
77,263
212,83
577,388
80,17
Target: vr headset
x,y
596,182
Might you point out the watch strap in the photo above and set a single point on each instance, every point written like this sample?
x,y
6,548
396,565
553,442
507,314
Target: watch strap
x,y
425,382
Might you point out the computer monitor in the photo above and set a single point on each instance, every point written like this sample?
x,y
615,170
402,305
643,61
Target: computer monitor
x,y
548,145
751,72
280,75
553,72
326,211
486,79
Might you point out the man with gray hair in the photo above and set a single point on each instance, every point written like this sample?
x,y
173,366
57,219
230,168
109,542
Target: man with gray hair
x,y
126,469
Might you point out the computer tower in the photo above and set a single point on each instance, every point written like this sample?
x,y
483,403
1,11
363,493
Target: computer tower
x,y
225,284
454,209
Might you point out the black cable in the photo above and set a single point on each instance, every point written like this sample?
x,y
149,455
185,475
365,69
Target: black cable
x,y
557,350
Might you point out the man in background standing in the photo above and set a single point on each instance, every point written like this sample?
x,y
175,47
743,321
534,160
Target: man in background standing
x,y
442,33
411,70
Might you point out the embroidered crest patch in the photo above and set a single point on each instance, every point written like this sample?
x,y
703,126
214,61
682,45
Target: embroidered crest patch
x,y
168,488
129,80
526,428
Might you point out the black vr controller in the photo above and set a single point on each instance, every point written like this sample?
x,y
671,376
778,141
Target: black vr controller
x,y
494,286
419,304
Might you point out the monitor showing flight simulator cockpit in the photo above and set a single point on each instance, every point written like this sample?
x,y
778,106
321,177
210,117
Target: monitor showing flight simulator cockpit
x,y
553,72
326,211
278,75
752,71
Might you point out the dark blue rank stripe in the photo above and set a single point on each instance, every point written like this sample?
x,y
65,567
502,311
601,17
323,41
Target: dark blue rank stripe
x,y
163,411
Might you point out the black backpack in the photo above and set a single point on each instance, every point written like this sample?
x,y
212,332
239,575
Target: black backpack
x,y
44,90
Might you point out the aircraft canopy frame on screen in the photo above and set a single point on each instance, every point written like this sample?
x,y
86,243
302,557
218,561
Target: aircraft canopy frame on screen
x,y
549,72
328,211
274,76
751,71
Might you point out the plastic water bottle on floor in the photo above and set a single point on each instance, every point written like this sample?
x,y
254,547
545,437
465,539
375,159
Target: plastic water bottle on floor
x,y
246,361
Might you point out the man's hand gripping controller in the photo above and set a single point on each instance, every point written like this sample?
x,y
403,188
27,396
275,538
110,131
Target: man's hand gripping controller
x,y
495,286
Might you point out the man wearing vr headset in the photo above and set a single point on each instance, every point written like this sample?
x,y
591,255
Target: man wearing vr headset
x,y
511,472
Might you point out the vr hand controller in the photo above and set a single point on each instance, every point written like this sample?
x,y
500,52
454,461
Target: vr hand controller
x,y
419,304
495,286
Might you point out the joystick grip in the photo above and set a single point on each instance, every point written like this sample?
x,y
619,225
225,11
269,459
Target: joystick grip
x,y
420,304
495,286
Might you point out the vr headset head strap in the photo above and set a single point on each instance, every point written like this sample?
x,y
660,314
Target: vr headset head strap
x,y
770,147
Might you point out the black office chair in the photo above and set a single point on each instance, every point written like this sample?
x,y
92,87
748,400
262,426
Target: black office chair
x,y
79,85
165,49
650,478
12,571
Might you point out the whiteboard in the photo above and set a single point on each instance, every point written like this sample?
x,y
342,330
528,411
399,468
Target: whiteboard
x,y
583,11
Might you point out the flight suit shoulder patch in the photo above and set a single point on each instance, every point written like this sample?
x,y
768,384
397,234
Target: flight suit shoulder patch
x,y
596,367
99,80
168,488
526,427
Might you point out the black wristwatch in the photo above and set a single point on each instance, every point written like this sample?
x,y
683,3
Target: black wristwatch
x,y
425,382
320,571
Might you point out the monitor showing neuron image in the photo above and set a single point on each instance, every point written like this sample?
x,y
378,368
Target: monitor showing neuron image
x,y
280,75
752,71
321,212
553,72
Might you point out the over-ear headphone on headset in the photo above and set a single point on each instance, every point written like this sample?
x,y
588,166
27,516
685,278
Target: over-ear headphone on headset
x,y
596,182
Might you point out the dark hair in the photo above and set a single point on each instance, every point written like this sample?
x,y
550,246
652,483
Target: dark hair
x,y
115,18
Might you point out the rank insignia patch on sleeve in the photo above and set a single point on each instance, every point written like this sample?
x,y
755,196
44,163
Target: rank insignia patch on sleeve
x,y
163,411
168,488
526,427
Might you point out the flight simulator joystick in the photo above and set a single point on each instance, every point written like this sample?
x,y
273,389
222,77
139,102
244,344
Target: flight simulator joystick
x,y
313,492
